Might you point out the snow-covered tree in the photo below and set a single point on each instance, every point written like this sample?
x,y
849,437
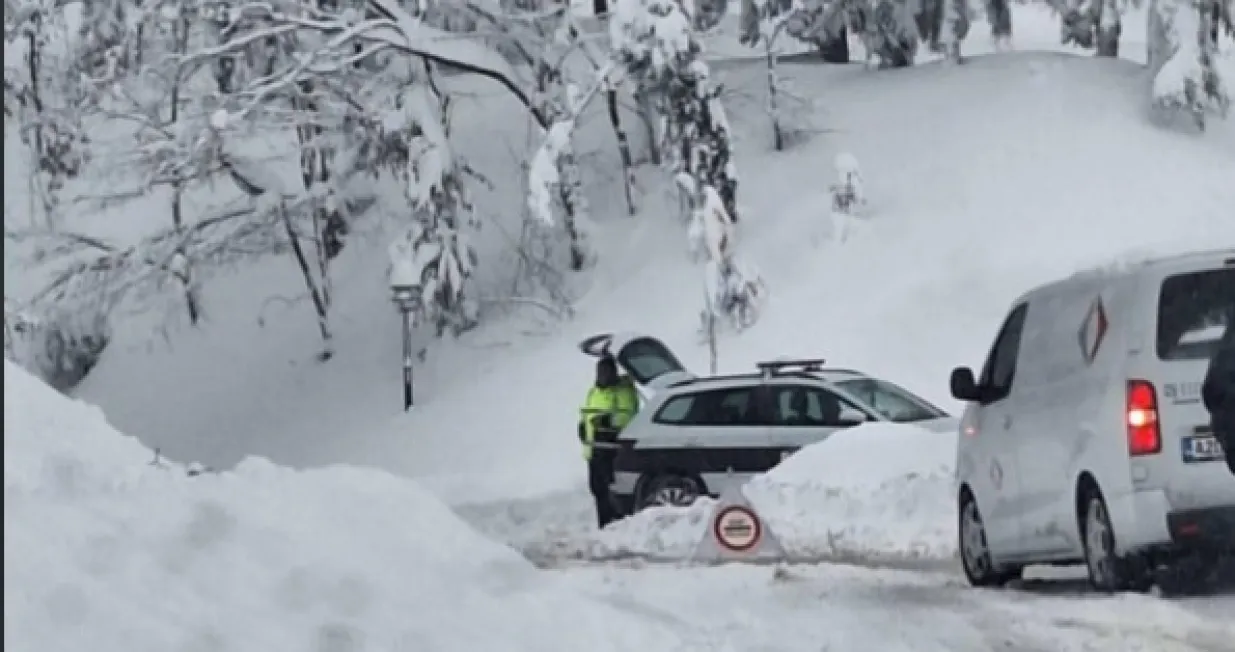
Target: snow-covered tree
x,y
955,17
887,28
546,38
999,15
1184,57
762,24
888,31
825,25
734,291
548,178
43,91
654,41
435,245
1093,24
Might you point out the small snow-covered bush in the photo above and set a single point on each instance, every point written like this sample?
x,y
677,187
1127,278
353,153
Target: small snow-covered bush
x,y
60,350
848,194
734,290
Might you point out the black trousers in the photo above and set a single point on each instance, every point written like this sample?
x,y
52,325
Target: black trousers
x,y
599,476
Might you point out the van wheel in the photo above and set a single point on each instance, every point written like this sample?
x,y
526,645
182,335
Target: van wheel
x,y
669,490
1108,572
976,558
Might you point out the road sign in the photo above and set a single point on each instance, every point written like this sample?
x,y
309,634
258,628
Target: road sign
x,y
737,528
735,532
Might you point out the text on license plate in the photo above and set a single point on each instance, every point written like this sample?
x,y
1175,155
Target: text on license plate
x,y
1202,448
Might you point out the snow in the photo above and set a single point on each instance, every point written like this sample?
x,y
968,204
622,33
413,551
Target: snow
x,y
654,30
828,607
947,203
219,119
105,551
985,189
543,175
881,493
410,33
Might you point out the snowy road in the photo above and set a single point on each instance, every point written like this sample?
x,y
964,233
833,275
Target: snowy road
x,y
856,605
837,608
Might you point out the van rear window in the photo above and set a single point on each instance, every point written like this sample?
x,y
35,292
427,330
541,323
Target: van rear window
x,y
1195,311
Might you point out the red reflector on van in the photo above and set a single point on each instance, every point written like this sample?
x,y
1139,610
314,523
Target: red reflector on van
x,y
1141,416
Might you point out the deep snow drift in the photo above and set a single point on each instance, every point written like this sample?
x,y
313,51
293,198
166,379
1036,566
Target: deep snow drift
x,y
876,494
105,551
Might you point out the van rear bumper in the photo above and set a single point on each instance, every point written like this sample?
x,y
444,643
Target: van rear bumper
x,y
1212,527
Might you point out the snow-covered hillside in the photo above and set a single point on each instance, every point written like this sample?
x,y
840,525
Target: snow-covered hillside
x,y
1008,171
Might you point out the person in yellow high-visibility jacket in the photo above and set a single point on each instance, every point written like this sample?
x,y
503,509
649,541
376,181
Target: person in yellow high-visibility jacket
x,y
610,404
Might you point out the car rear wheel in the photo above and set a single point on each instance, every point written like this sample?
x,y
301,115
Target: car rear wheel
x,y
976,559
670,490
1108,571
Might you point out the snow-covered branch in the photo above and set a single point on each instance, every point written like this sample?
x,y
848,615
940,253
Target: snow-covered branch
x,y
414,36
543,170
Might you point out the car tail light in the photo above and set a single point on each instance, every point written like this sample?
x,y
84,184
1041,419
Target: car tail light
x,y
1144,433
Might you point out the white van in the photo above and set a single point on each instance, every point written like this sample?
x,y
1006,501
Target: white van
x,y
1085,439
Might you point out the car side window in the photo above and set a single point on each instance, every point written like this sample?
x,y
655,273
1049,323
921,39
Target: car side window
x,y
893,402
734,406
675,409
1000,368
805,406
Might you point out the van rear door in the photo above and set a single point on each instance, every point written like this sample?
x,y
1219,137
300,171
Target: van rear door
x,y
1195,308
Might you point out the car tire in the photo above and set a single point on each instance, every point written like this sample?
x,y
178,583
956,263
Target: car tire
x,y
976,559
1108,571
669,489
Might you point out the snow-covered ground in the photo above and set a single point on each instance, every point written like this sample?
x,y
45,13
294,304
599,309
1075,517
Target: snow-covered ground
x,y
104,550
839,608
982,181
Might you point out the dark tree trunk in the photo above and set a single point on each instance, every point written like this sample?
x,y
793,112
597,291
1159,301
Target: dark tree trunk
x,y
835,49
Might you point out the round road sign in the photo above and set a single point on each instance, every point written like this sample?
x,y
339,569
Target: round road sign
x,y
737,529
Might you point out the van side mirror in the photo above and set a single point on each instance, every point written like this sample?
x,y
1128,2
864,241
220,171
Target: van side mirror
x,y
963,385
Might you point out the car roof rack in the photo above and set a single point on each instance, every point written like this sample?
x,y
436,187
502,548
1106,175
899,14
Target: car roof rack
x,y
778,367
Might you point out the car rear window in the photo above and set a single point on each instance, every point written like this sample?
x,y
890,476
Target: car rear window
x,y
1194,312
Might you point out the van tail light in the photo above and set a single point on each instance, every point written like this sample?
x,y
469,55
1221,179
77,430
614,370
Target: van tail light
x,y
1144,432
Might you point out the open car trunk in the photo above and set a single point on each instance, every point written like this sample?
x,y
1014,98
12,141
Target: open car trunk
x,y
644,358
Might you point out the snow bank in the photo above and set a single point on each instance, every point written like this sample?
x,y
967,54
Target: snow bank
x,y
877,493
105,551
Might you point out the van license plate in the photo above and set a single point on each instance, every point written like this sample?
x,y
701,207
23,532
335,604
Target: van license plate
x,y
1203,448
